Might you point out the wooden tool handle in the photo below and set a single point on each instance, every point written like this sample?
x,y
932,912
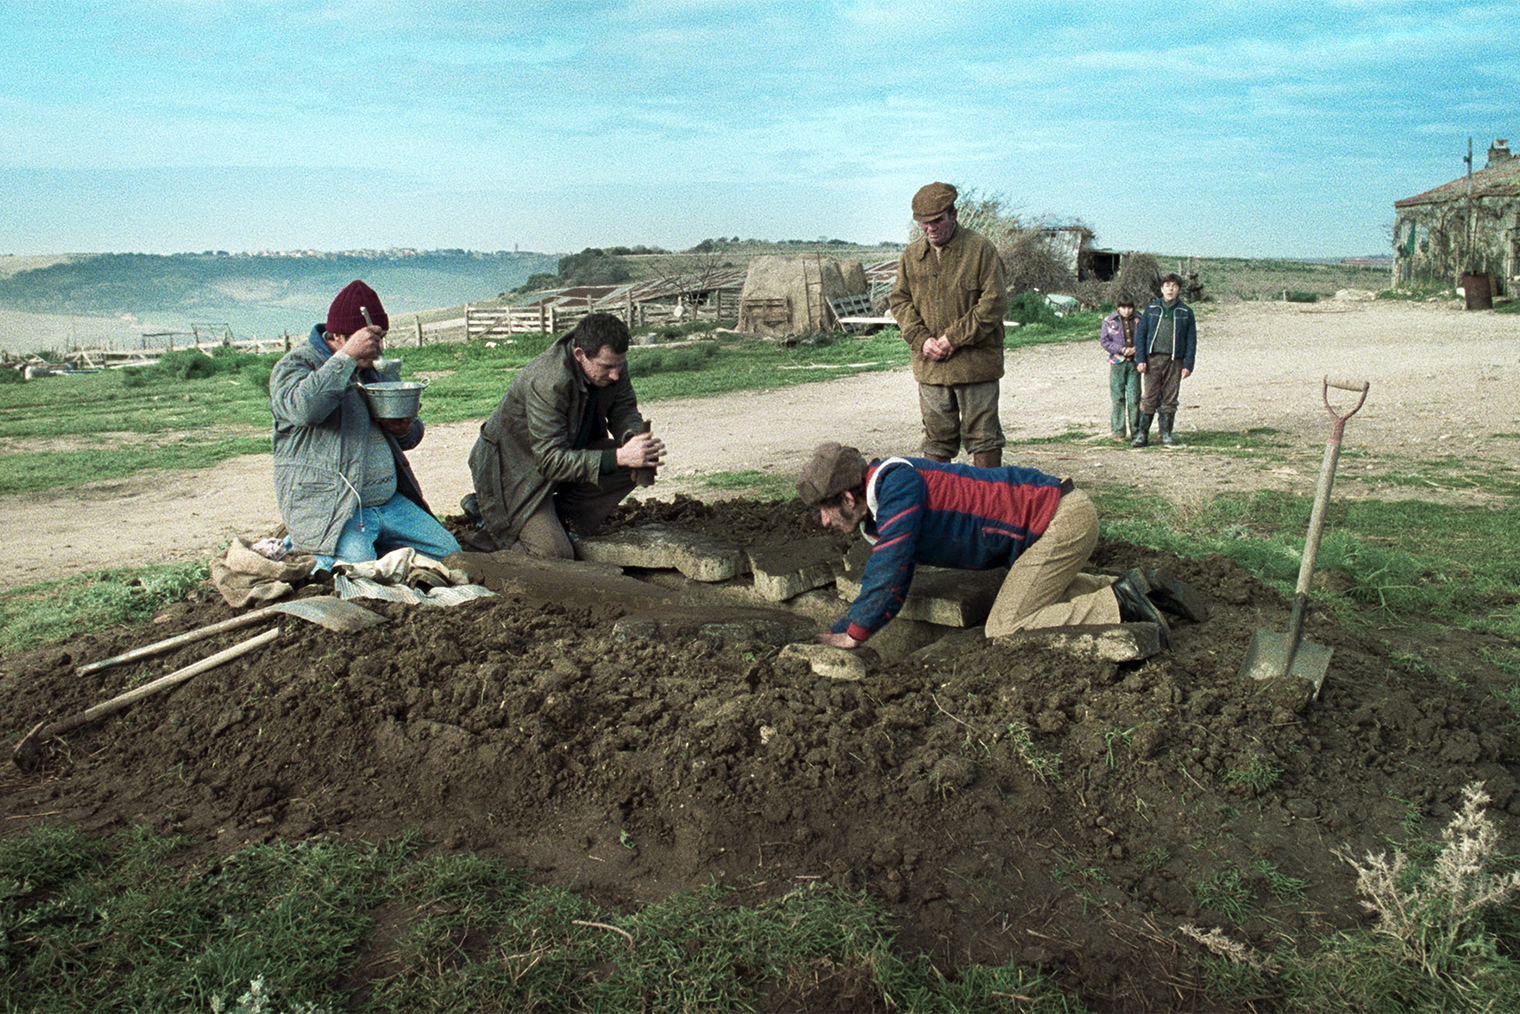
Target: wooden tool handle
x,y
644,476
169,644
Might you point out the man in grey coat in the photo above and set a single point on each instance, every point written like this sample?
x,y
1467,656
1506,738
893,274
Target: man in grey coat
x,y
561,445
345,488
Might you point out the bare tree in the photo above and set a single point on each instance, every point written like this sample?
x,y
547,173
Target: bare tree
x,y
1032,257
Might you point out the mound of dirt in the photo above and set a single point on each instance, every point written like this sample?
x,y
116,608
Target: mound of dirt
x,y
1014,803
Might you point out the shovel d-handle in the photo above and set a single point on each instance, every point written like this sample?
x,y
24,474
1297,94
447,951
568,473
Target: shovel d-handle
x,y
1321,503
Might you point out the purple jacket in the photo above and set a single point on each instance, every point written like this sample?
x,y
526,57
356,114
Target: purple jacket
x,y
1111,337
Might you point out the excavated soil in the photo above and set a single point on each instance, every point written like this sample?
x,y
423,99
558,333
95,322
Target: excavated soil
x,y
526,728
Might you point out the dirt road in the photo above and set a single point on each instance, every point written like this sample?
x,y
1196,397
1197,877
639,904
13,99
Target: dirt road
x,y
1443,383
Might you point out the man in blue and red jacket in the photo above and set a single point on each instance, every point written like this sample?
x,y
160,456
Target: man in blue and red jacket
x,y
914,510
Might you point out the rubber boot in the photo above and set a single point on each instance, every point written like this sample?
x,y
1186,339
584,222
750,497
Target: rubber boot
x,y
1171,595
936,457
1143,433
988,459
1132,591
1165,426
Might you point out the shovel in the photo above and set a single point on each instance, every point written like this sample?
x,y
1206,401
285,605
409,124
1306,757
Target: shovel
x,y
28,752
1271,655
327,610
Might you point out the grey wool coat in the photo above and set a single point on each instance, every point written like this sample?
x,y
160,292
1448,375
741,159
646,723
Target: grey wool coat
x,y
321,424
529,443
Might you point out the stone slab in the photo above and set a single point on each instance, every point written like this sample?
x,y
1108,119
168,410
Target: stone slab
x,y
1106,642
657,547
782,572
717,626
950,598
1100,642
828,661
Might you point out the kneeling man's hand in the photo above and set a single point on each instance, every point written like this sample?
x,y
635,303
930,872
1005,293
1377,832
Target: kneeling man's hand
x,y
396,427
643,450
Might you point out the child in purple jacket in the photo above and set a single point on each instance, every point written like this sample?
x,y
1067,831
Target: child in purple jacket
x,y
1118,339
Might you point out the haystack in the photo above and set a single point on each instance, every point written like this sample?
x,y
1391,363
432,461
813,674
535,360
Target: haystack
x,y
790,295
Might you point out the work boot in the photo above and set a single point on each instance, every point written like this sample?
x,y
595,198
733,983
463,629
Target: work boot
x,y
1136,607
1165,425
1172,596
470,507
937,457
1143,433
479,540
988,459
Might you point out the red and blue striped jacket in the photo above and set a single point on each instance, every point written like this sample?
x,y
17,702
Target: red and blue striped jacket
x,y
942,516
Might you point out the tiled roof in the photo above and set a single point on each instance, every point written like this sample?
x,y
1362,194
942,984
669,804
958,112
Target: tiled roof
x,y
1502,180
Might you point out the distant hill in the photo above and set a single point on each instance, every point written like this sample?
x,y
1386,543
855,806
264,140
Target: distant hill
x,y
258,295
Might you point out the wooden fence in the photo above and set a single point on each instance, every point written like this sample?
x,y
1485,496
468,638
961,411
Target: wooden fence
x,y
494,321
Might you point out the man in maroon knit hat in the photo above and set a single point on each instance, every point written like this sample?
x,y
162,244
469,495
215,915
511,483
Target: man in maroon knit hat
x,y
345,488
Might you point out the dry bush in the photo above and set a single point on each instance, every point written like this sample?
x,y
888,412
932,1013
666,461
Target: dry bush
x,y
1031,259
1215,942
1430,913
1139,278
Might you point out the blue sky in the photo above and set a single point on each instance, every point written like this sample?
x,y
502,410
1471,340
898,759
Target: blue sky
x,y
1245,129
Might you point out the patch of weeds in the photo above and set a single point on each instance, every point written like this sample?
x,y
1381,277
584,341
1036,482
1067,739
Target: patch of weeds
x,y
1409,662
1257,776
1083,881
1227,893
1154,860
1283,887
1046,766
1110,737
40,613
1506,660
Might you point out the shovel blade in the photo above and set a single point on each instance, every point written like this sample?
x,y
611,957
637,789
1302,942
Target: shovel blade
x,y
1268,654
332,613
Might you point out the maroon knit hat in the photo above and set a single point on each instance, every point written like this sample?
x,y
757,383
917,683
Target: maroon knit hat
x,y
343,317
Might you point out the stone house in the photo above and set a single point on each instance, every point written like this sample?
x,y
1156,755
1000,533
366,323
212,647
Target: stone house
x,y
1468,226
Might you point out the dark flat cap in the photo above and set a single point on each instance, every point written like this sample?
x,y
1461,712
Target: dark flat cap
x,y
933,201
833,469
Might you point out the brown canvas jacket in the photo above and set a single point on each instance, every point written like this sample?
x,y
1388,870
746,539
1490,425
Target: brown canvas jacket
x,y
960,293
526,445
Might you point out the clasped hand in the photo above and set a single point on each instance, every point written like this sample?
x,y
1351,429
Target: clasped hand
x,y
643,450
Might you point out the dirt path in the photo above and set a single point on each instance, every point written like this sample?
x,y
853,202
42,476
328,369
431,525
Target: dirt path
x,y
1442,384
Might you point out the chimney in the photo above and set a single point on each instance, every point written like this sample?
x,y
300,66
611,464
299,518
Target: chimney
x,y
1498,152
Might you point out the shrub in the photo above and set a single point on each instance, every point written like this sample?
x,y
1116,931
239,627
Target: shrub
x,y
1301,297
1031,308
1433,916
10,376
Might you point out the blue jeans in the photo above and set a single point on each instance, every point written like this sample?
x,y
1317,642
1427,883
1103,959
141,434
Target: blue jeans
x,y
396,523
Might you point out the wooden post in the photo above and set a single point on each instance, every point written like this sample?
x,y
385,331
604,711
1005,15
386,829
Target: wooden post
x,y
418,320
546,322
628,308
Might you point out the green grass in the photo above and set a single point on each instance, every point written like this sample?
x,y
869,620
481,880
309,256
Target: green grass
x,y
56,610
145,922
1227,893
1257,775
1403,560
197,410
768,485
32,472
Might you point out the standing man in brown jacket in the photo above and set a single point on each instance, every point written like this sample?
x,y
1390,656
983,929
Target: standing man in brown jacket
x,y
949,301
